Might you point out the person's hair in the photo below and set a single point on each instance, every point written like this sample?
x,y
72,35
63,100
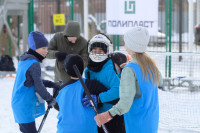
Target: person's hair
x,y
147,66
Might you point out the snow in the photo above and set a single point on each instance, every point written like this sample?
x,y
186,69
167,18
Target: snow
x,y
179,111
179,108
7,123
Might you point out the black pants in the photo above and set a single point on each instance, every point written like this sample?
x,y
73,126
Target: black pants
x,y
28,127
116,125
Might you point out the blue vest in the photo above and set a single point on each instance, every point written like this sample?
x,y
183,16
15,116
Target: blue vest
x,y
25,104
108,77
73,117
143,116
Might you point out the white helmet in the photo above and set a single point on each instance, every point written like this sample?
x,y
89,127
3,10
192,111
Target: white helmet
x,y
103,42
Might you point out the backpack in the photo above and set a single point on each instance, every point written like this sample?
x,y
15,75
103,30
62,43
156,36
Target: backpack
x,y
6,63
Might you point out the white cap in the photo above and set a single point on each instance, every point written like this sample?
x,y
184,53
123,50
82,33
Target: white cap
x,y
137,39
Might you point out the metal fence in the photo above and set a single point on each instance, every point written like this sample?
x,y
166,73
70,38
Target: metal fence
x,y
44,10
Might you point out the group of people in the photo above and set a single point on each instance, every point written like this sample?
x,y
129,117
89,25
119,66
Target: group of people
x,y
125,92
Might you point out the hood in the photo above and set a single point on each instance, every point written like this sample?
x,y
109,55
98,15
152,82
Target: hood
x,y
27,56
72,29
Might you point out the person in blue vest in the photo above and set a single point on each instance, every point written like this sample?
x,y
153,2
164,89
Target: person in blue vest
x,y
138,87
73,117
29,90
101,68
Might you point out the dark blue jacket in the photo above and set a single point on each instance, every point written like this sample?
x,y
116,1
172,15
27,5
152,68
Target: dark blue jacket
x,y
25,104
33,77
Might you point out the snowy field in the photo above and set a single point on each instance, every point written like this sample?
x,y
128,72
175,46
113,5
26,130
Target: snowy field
x,y
179,108
179,112
7,124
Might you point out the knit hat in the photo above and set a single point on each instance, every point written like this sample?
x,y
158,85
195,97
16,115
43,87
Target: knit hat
x,y
37,40
70,61
72,29
137,39
119,58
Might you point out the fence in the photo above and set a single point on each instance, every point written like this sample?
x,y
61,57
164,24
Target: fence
x,y
179,107
44,10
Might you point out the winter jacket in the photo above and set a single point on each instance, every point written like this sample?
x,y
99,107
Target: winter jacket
x,y
26,106
93,86
108,77
129,90
73,117
143,115
59,43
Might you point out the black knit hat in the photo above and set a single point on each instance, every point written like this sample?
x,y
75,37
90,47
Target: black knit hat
x,y
119,58
73,59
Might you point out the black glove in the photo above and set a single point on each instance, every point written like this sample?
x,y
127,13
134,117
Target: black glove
x,y
56,107
56,85
50,84
51,103
60,56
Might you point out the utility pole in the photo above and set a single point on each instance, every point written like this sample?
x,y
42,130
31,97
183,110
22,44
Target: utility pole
x,y
198,11
86,19
168,15
71,9
180,27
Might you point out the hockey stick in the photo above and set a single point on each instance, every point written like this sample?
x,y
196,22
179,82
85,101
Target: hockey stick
x,y
47,112
43,120
88,95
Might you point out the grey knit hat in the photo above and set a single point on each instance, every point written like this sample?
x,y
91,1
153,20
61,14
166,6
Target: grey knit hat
x,y
72,29
137,39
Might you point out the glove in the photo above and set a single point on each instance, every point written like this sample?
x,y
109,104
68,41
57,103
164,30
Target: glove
x,y
56,85
56,107
60,56
86,102
51,103
56,88
50,84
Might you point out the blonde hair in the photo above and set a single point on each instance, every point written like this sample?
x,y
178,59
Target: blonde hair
x,y
147,66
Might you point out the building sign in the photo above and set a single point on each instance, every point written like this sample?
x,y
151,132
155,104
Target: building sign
x,y
121,15
59,19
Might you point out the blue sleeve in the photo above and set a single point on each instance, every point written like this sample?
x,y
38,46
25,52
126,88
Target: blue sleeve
x,y
35,72
113,87
85,72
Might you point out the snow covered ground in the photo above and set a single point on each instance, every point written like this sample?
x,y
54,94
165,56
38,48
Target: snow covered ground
x,y
179,111
7,124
